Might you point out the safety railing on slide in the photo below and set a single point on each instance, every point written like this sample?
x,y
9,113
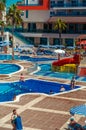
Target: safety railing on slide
x,y
20,36
33,68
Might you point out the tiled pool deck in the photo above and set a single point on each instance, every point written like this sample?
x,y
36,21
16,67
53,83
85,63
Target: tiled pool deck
x,y
41,112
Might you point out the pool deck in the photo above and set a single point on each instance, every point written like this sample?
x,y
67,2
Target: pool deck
x,y
42,112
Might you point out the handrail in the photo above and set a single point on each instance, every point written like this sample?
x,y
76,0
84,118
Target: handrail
x,y
20,36
31,69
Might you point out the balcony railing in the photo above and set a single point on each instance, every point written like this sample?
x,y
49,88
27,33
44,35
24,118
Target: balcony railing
x,y
19,36
69,5
67,31
28,4
74,14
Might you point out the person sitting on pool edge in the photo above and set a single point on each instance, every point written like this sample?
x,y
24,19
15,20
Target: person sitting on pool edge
x,y
21,77
62,89
51,92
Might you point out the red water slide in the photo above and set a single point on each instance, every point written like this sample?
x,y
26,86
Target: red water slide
x,y
73,60
82,71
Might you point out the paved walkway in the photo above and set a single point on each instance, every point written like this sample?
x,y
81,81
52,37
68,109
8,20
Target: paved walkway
x,y
41,112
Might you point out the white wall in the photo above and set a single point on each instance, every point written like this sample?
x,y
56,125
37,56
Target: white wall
x,y
36,16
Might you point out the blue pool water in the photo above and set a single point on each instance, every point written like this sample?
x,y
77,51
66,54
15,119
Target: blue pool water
x,y
8,68
46,71
32,59
79,78
45,68
9,90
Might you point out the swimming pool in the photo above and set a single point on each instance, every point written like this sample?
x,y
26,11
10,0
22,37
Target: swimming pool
x,y
9,90
28,58
46,71
8,68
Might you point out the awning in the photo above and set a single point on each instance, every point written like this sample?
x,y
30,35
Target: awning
x,y
69,19
81,42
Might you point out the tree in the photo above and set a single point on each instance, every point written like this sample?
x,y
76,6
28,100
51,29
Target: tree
x,y
2,24
60,26
2,8
14,19
4,1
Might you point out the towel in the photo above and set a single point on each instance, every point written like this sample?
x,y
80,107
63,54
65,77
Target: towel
x,y
18,123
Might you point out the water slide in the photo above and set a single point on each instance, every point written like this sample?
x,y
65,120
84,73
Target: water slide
x,y
82,71
73,60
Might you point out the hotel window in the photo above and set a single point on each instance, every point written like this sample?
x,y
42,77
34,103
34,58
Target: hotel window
x,y
69,42
45,27
26,13
84,27
74,2
43,41
71,28
26,2
32,27
56,41
40,2
52,13
22,13
52,3
60,3
50,26
84,2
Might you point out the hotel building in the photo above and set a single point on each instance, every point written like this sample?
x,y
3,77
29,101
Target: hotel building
x,y
40,16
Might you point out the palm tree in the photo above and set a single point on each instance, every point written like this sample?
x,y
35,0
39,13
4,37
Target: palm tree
x,y
2,5
2,8
2,24
60,26
14,19
4,1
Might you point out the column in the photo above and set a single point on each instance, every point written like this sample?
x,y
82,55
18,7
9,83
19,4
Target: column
x,y
48,42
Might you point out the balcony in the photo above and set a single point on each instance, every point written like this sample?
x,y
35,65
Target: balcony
x,y
22,4
69,5
73,14
48,31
